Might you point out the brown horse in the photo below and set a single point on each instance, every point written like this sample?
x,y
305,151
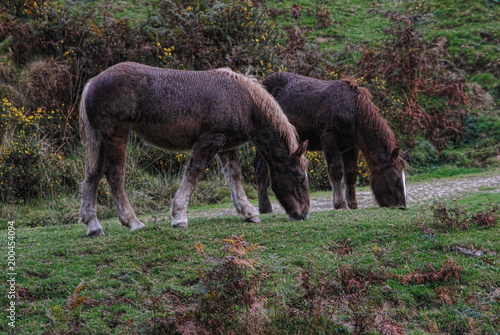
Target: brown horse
x,y
339,118
207,112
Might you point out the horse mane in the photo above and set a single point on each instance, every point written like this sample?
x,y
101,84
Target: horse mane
x,y
268,105
371,118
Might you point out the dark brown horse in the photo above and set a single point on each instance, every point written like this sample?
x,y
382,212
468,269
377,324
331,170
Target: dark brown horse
x,y
208,112
339,118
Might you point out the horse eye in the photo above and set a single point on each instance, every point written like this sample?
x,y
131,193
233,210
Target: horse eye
x,y
301,179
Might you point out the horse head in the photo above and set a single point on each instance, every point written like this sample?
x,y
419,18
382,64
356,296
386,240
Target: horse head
x,y
389,183
290,184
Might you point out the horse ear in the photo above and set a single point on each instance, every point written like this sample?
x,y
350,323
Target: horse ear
x,y
405,154
301,149
394,155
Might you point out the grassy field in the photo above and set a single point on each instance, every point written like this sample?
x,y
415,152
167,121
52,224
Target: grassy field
x,y
367,271
468,30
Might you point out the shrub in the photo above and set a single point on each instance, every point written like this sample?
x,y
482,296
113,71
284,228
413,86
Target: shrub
x,y
28,164
453,217
20,169
450,270
318,171
204,34
433,93
231,282
19,157
424,154
55,48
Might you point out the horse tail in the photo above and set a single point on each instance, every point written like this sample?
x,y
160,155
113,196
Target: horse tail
x,y
90,138
268,105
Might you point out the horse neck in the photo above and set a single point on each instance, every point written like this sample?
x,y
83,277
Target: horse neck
x,y
271,143
273,154
375,138
376,149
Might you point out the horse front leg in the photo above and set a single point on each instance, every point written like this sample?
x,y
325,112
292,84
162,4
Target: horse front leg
x,y
231,169
335,170
262,181
350,159
204,150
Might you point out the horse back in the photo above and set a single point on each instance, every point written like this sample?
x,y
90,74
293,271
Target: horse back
x,y
169,108
315,106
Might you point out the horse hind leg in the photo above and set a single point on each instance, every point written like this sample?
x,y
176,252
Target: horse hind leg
x,y
114,169
203,151
93,174
94,162
232,172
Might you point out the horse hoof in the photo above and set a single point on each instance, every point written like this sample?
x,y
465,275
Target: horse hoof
x,y
180,224
137,225
265,209
253,219
95,233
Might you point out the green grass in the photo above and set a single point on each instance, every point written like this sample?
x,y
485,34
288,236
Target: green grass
x,y
471,29
477,202
126,9
64,209
446,172
126,271
349,22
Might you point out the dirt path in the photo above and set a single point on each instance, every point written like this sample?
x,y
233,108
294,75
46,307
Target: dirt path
x,y
419,193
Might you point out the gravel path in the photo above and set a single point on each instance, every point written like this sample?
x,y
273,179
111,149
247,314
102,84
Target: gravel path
x,y
419,193
425,193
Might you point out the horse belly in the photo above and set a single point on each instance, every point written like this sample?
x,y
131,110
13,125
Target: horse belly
x,y
313,137
173,137
183,136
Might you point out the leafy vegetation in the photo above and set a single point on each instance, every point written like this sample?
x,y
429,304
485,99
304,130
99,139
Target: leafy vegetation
x,y
49,49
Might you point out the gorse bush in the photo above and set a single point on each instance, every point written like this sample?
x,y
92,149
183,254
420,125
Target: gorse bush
x,y
20,169
56,49
20,162
28,166
205,34
318,171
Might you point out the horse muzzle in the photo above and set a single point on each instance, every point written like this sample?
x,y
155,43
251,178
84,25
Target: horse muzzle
x,y
297,216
